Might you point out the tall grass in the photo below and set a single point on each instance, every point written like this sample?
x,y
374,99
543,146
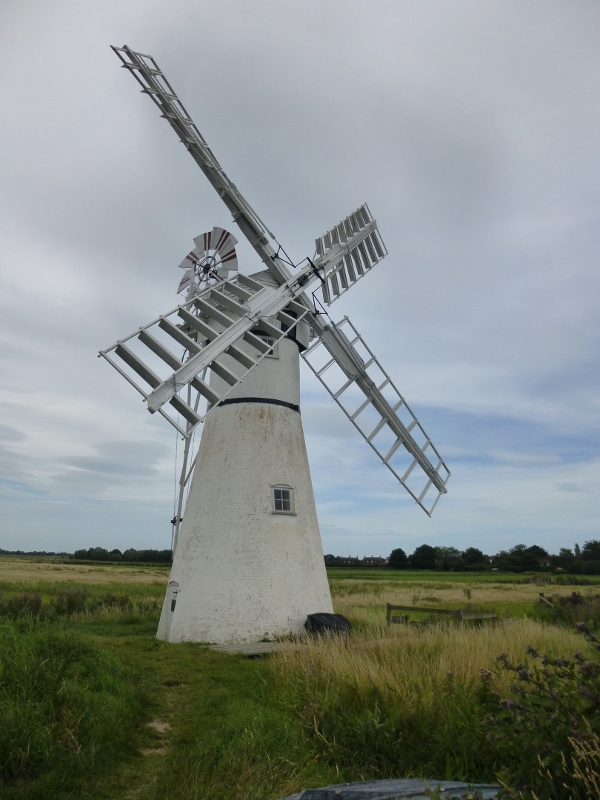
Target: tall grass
x,y
80,605
412,704
67,709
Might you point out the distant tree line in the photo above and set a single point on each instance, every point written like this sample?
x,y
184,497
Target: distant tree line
x,y
520,558
350,561
101,554
33,553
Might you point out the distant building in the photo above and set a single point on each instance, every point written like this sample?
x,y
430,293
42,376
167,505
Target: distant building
x,y
367,561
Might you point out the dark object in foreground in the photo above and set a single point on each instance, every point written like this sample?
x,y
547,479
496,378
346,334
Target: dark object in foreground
x,y
323,624
413,788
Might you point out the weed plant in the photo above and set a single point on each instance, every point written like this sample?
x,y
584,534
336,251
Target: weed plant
x,y
552,721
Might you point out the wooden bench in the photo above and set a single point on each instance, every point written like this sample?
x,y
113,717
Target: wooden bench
x,y
459,615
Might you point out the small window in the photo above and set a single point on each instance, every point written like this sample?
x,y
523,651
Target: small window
x,y
283,500
272,344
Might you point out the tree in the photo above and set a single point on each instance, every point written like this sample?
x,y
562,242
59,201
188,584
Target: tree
x,y
448,559
148,556
564,559
518,559
588,561
591,550
423,557
474,559
538,551
398,559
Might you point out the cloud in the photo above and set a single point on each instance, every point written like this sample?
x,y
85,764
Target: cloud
x,y
472,131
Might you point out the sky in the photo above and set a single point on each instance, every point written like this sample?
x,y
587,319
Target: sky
x,y
472,131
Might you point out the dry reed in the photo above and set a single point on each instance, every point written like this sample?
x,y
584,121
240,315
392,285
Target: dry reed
x,y
407,662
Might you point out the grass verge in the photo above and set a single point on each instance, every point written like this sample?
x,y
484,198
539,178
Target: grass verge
x,y
67,710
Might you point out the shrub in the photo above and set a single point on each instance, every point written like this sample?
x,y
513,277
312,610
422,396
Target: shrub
x,y
582,771
70,602
550,720
573,609
121,601
21,604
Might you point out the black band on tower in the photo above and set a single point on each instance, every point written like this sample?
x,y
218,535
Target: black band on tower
x,y
293,406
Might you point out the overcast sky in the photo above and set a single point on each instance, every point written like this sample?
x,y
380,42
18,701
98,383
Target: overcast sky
x,y
472,130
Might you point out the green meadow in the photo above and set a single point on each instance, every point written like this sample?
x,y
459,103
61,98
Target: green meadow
x,y
92,706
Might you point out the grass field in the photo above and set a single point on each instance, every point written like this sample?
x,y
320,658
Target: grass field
x,y
179,721
33,570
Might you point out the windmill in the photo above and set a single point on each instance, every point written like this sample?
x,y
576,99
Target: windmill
x,y
248,560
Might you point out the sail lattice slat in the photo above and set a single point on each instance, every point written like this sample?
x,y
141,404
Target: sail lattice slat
x,y
364,391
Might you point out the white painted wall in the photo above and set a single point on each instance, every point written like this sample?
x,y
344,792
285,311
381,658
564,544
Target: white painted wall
x,y
276,378
243,573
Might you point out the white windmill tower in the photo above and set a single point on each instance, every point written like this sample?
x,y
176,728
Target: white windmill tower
x,y
248,560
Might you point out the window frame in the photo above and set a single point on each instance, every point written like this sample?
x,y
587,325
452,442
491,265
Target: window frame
x,y
284,487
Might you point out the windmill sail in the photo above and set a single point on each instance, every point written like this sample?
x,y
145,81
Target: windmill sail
x,y
153,82
353,260
355,379
222,329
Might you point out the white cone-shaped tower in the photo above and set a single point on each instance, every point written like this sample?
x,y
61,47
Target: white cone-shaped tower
x,y
248,564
